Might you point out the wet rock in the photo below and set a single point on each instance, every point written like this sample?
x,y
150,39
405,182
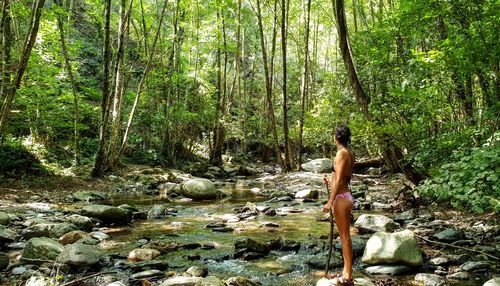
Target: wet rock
x,y
320,262
16,245
307,194
406,215
493,282
4,261
374,223
392,270
4,218
72,237
323,165
358,245
193,245
458,276
270,213
101,236
42,248
448,235
150,264
107,214
143,254
215,225
82,222
89,196
80,255
181,281
475,266
223,229
147,274
430,279
208,245
193,257
241,281
389,248
250,245
197,271
210,281
439,261
199,189
6,235
157,212
262,209
52,230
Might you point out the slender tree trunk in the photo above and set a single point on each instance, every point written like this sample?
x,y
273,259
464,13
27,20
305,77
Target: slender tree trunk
x,y
100,164
305,81
355,15
144,29
69,70
21,68
216,152
5,56
284,18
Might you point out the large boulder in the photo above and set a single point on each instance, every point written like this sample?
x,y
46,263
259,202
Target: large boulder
x,y
82,222
493,282
107,214
373,223
80,255
6,235
42,248
89,196
4,218
51,229
323,165
199,189
391,248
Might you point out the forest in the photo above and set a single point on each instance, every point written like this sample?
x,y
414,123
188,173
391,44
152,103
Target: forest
x,y
93,89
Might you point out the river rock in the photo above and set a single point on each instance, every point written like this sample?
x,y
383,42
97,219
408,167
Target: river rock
x,y
4,261
323,165
430,279
72,237
147,274
4,218
406,215
7,235
448,235
250,245
157,212
358,245
493,282
320,262
107,214
80,255
82,222
88,196
459,276
51,230
307,194
42,248
150,264
143,254
389,248
241,281
210,281
392,270
199,189
439,261
197,271
475,266
373,223
181,281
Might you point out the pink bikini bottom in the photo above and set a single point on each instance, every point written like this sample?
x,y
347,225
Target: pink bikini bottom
x,y
345,195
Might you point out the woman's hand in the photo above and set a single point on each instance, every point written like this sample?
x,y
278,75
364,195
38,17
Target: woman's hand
x,y
327,207
326,181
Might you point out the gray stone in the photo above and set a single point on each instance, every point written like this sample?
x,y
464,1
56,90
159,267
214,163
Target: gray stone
x,y
387,269
210,281
108,214
472,266
390,248
320,263
89,196
42,248
250,245
52,230
197,271
406,215
4,218
439,261
448,235
374,223
143,254
493,282
323,165
82,222
458,276
147,274
241,281
157,212
199,189
19,270
307,194
7,235
101,236
430,279
80,255
181,281
4,261
358,245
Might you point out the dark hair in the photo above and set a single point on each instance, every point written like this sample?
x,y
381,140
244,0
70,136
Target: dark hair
x,y
343,134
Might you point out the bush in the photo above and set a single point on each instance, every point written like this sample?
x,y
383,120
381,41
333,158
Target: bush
x,y
470,180
17,161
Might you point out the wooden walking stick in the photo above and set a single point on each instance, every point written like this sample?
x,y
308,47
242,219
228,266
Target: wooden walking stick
x,y
330,238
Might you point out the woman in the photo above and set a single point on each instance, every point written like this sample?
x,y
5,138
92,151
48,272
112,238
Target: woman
x,y
341,200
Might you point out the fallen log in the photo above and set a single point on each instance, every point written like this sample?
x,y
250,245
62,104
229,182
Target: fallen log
x,y
363,165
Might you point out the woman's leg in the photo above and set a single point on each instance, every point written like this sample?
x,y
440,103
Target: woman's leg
x,y
342,211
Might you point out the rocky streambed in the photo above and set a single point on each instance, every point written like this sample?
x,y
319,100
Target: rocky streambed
x,y
244,226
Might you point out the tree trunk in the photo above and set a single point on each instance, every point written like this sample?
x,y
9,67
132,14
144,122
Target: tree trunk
x,y
5,57
284,17
69,70
218,133
304,82
11,90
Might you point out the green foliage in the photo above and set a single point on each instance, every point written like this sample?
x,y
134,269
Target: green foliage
x,y
18,161
469,180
